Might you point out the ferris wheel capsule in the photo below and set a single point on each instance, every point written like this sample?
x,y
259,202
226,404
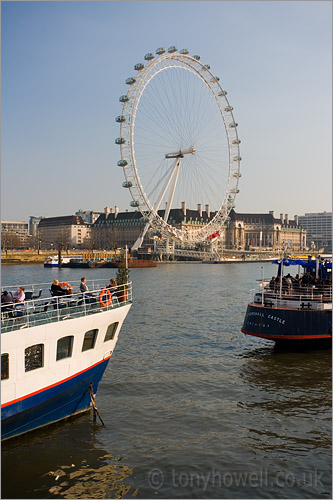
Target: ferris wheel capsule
x,y
172,49
160,51
130,81
120,119
122,163
120,140
183,51
124,98
149,56
139,67
196,57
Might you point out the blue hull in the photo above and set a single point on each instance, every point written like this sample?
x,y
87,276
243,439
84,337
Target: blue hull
x,y
51,405
288,325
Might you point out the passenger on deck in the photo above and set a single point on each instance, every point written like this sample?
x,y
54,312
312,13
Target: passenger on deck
x,y
6,298
19,295
272,283
7,303
83,285
84,288
56,289
289,280
306,278
112,286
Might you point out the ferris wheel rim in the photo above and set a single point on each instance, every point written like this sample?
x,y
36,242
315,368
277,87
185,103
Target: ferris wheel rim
x,y
127,127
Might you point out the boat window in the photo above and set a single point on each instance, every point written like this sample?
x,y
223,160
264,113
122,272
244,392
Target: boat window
x,y
65,347
111,331
34,357
4,366
89,340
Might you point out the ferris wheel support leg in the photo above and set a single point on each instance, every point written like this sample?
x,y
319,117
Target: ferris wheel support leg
x,y
166,186
139,241
173,187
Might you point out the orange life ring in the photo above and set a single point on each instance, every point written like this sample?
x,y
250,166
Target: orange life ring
x,y
68,286
108,301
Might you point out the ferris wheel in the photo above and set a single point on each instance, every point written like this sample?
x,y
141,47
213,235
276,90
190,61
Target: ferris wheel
x,y
179,146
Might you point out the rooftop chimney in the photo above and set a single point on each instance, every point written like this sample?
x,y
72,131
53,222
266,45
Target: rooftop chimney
x,y
200,209
286,219
184,208
116,210
107,210
207,207
281,217
271,212
296,220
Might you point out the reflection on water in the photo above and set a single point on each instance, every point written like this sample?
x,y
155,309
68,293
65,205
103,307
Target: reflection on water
x,y
48,468
190,404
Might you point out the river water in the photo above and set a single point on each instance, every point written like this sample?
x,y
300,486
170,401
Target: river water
x,y
192,407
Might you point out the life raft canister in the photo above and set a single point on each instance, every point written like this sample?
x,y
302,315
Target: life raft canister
x,y
108,300
66,285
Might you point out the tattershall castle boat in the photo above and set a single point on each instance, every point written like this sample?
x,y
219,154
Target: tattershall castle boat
x,y
54,351
293,310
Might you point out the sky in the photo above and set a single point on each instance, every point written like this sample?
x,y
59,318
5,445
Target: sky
x,y
64,66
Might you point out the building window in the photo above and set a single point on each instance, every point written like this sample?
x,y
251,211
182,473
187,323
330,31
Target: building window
x,y
4,366
65,347
111,331
89,340
34,357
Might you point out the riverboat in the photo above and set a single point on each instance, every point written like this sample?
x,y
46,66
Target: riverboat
x,y
293,311
54,351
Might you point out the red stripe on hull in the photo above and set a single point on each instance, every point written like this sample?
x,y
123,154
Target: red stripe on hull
x,y
53,385
288,337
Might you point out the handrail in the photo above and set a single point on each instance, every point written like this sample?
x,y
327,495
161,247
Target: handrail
x,y
55,309
34,286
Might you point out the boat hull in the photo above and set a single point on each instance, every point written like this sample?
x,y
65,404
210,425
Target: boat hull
x,y
67,398
288,325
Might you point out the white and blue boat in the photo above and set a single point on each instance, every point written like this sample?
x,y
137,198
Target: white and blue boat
x,y
54,351
53,261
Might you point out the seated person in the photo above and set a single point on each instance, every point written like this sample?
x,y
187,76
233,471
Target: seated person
x,y
6,302
84,288
112,287
19,295
56,289
272,283
83,285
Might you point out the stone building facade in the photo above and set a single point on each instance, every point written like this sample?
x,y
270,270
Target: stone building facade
x,y
14,234
115,229
264,231
69,231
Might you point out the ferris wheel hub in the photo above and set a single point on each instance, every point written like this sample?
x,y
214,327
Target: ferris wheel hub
x,y
181,153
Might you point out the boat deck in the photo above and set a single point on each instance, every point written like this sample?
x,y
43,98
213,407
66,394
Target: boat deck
x,y
40,311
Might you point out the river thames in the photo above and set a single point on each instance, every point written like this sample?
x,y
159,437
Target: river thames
x,y
192,408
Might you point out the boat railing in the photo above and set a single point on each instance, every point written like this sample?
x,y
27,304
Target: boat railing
x,y
50,309
319,293
93,284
